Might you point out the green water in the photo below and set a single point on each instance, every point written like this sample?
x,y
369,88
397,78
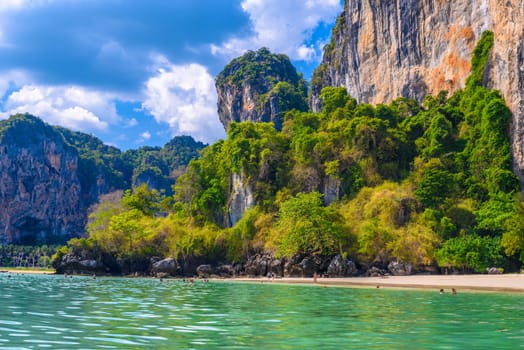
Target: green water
x,y
118,313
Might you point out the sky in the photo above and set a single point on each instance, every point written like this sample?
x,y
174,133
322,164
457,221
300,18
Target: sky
x,y
139,72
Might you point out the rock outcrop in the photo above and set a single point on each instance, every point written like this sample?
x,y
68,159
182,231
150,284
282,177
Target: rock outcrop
x,y
241,198
167,266
49,176
40,192
340,267
382,49
259,87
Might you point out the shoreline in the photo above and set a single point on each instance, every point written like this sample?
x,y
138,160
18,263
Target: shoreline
x,y
11,270
512,283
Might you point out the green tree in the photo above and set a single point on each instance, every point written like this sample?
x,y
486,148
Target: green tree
x,y
471,252
513,236
306,226
142,199
436,185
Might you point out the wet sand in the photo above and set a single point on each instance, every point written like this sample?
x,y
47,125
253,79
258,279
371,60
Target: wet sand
x,y
500,283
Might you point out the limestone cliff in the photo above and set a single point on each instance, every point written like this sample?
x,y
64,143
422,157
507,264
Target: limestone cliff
x,y
241,198
40,192
382,49
259,87
49,176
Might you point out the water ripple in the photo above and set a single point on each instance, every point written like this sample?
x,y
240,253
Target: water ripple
x,y
118,313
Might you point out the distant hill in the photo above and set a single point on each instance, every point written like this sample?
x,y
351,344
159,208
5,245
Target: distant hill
x,y
51,175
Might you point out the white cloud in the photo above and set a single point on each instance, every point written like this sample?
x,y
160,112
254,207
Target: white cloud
x,y
306,53
129,123
185,98
283,27
6,5
9,5
11,79
146,135
72,107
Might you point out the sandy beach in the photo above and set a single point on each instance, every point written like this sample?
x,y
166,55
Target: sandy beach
x,y
500,283
26,271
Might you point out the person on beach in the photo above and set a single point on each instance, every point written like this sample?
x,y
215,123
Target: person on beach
x,y
453,291
441,291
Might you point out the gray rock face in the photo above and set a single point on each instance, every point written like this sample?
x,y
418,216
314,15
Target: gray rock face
x,y
246,89
375,272
258,265
341,268
40,193
240,104
493,271
331,189
299,266
228,270
168,266
398,268
276,267
241,198
73,264
205,270
383,49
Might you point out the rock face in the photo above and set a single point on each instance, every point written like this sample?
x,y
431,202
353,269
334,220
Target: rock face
x,y
40,193
241,198
167,266
340,267
382,49
49,176
72,264
398,268
259,87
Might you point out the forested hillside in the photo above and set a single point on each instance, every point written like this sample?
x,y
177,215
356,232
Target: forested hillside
x,y
426,184
51,175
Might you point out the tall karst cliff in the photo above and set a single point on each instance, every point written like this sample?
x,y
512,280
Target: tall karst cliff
x,y
259,87
383,49
40,192
49,176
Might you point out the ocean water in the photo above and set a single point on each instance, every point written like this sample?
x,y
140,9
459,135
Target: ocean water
x,y
38,312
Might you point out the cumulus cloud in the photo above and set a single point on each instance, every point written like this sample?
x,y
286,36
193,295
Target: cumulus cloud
x,y
283,26
11,79
9,5
184,97
73,107
129,123
6,5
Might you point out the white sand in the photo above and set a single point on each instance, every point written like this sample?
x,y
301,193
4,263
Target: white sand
x,y
14,271
502,283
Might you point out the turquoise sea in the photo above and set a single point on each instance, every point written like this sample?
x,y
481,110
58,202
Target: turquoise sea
x,y
39,311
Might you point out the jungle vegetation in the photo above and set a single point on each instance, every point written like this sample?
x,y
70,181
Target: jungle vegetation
x,y
427,183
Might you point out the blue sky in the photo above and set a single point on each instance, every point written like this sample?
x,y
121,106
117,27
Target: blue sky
x,y
138,72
